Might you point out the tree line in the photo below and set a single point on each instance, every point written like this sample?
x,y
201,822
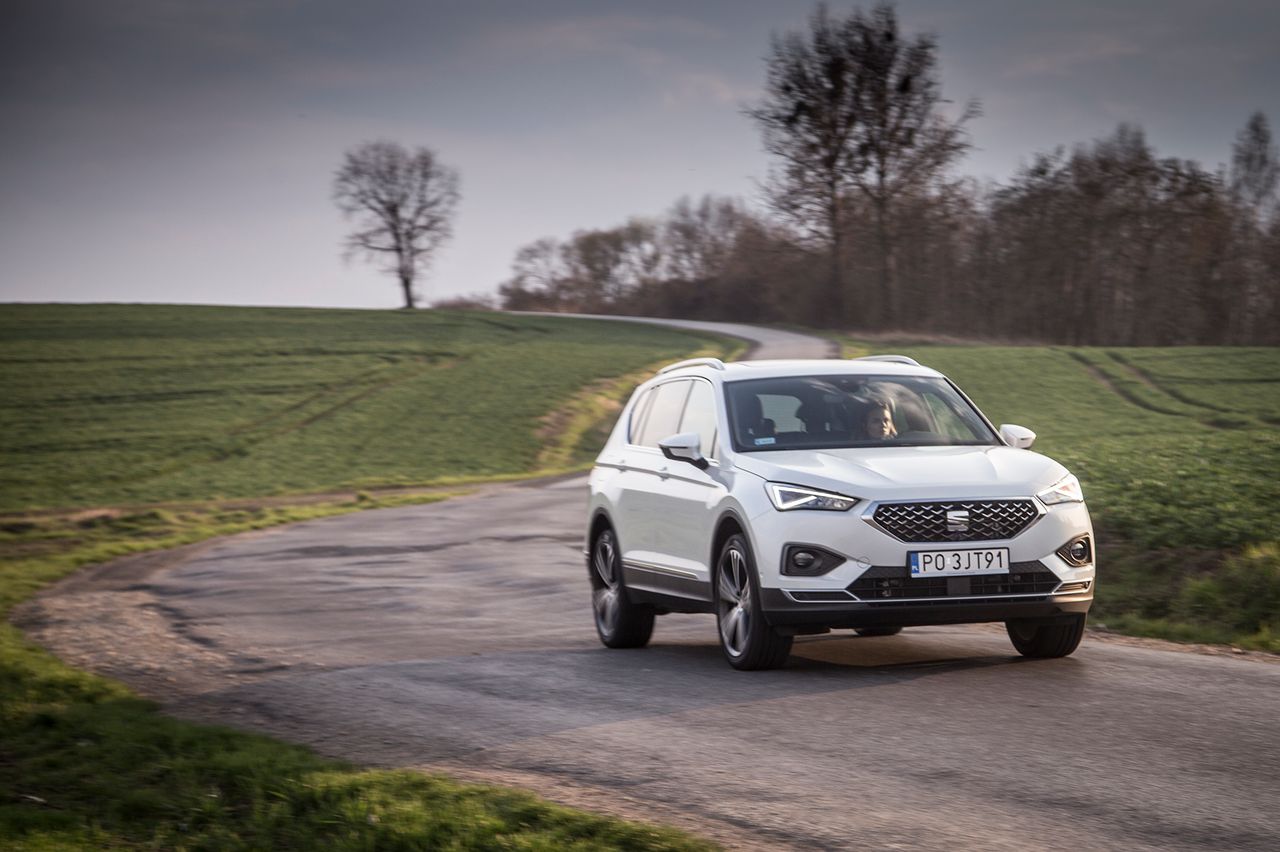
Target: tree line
x,y
865,226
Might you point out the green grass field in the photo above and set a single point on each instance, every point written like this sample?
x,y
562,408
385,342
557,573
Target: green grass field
x,y
118,424
107,404
1178,451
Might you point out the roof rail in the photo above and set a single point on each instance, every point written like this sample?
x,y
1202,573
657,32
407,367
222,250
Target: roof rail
x,y
896,359
714,363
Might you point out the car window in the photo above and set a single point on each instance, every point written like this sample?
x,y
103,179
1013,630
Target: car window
x,y
851,411
663,419
700,416
638,413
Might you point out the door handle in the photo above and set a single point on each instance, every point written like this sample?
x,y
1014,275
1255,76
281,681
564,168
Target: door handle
x,y
663,473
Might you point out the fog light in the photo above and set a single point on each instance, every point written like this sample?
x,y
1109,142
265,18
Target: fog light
x,y
805,560
1077,552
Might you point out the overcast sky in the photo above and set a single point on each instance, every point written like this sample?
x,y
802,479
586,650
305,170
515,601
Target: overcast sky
x,y
183,152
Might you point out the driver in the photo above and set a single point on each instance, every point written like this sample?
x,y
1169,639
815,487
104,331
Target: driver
x,y
878,422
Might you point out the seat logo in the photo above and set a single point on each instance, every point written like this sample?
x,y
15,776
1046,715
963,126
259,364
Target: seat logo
x,y
958,520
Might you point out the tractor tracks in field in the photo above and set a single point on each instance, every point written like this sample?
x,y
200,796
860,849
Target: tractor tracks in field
x,y
240,440
424,363
1157,385
1139,388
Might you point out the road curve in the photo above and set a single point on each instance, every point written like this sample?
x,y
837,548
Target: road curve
x,y
458,636
764,342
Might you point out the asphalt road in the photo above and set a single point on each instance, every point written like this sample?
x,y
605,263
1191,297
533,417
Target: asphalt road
x,y
458,636
764,342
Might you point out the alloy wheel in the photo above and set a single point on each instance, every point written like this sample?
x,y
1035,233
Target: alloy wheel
x,y
734,601
604,593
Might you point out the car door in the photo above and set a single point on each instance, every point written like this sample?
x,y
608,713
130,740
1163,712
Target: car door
x,y
640,494
692,495
672,502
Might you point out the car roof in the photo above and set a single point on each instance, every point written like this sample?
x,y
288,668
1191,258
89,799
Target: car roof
x,y
734,371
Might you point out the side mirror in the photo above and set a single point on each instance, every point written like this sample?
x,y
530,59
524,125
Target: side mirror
x,y
1017,436
684,447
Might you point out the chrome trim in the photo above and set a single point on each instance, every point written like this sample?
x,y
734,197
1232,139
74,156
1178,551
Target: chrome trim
x,y
873,601
869,515
659,569
1062,554
793,599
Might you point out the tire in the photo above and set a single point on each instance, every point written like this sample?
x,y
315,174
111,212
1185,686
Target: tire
x,y
619,622
747,640
1044,640
877,631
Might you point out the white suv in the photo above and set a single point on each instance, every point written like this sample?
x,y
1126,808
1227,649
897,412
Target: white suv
x,y
793,497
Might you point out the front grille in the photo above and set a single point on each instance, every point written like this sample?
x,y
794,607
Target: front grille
x,y
987,520
888,583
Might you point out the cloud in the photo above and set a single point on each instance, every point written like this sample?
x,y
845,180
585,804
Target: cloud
x,y
630,41
1074,52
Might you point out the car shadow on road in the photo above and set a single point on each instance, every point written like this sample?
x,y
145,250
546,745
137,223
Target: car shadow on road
x,y
424,710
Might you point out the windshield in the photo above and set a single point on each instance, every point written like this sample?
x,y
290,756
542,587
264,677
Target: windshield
x,y
851,411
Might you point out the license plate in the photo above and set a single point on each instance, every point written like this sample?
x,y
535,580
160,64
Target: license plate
x,y
956,563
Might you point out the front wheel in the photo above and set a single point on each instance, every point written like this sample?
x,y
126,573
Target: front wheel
x,y
746,638
1046,639
620,623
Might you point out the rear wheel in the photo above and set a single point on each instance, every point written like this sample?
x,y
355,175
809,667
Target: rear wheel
x,y
1046,639
746,638
620,623
877,631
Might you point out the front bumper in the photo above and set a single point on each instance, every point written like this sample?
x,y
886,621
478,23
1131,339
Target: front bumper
x,y
782,611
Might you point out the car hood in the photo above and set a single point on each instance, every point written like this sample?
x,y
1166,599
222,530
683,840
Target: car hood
x,y
878,473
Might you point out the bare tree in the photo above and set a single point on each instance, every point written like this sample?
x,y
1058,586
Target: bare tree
x,y
1255,178
699,237
1255,166
854,107
809,119
904,142
402,202
1102,243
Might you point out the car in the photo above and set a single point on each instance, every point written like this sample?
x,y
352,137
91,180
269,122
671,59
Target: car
x,y
798,497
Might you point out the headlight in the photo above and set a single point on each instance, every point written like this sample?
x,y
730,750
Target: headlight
x,y
788,497
1067,490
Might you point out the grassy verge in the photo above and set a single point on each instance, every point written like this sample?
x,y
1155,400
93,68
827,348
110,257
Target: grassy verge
x,y
1177,450
117,424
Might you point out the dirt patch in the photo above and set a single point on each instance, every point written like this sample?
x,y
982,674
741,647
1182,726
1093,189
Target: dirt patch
x,y
103,619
